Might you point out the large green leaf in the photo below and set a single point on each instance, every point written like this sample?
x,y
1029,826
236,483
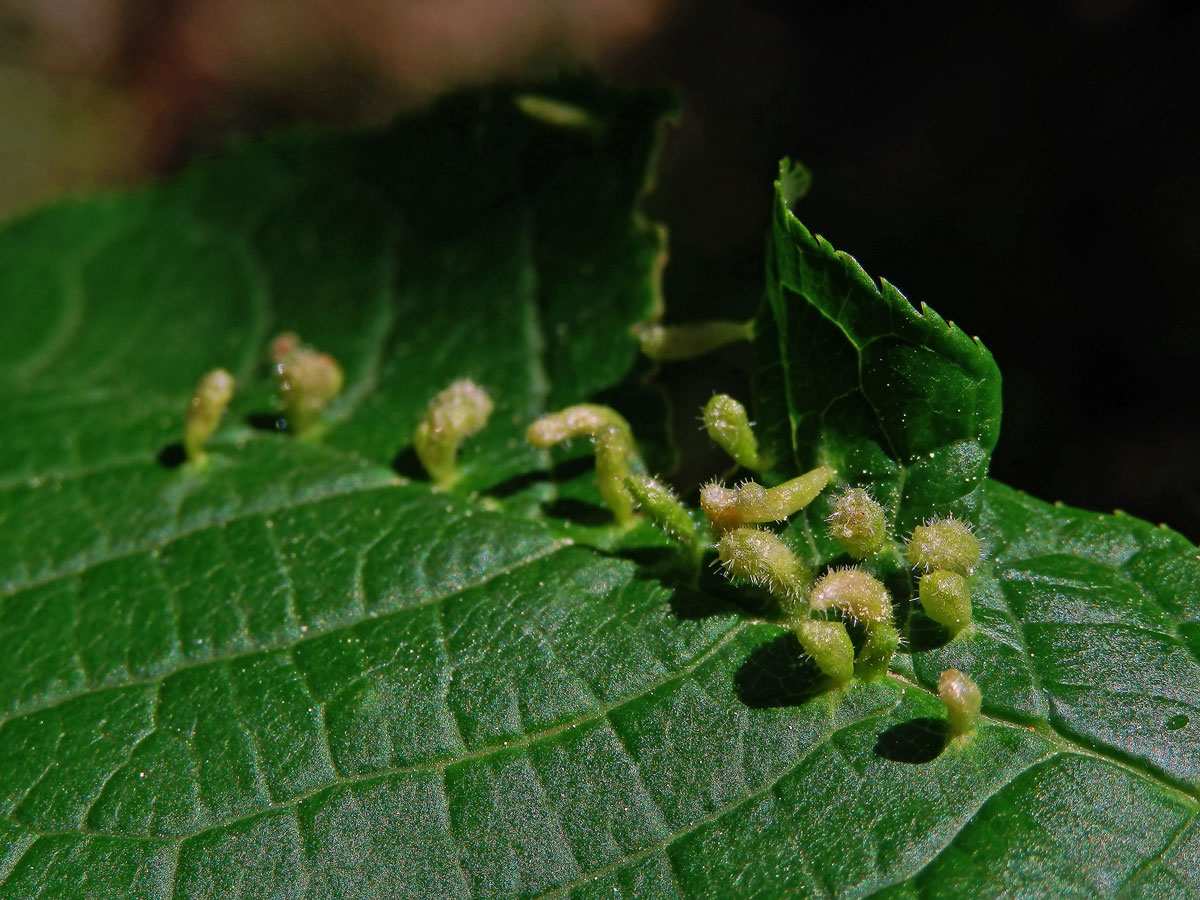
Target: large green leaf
x,y
297,673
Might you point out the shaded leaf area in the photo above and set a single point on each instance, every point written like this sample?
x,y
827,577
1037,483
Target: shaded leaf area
x,y
850,375
471,241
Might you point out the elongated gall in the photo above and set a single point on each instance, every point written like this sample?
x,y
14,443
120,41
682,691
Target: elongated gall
x,y
307,381
616,451
581,420
946,599
859,595
728,425
829,644
762,558
876,653
457,412
962,699
751,504
204,411
671,342
664,509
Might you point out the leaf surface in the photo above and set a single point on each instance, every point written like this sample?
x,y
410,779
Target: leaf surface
x,y
302,673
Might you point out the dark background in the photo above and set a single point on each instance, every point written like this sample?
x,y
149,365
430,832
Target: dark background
x,y
1032,174
1031,171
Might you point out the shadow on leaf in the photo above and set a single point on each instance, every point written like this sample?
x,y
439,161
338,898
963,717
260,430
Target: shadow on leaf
x,y
900,586
557,474
917,741
265,421
925,634
689,604
172,456
778,673
654,563
753,601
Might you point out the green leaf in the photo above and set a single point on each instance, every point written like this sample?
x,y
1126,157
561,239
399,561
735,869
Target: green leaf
x,y
851,375
297,673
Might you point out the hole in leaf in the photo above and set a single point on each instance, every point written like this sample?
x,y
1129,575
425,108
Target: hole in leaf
x,y
779,673
917,741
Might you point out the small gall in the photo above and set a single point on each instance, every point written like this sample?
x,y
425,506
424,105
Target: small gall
x,y
829,644
559,114
307,381
727,424
720,507
581,420
664,343
962,699
943,544
876,653
763,559
204,412
666,512
750,503
858,523
860,596
616,452
456,413
946,599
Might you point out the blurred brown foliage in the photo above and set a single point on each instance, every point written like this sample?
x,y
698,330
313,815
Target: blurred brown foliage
x,y
101,91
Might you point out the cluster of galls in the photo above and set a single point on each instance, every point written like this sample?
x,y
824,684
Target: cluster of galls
x,y
308,380
943,550
816,608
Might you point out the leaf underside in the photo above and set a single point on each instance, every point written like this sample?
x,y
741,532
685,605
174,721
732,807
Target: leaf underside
x,y
300,672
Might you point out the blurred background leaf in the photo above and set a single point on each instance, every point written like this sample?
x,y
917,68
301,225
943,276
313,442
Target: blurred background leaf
x,y
1023,171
